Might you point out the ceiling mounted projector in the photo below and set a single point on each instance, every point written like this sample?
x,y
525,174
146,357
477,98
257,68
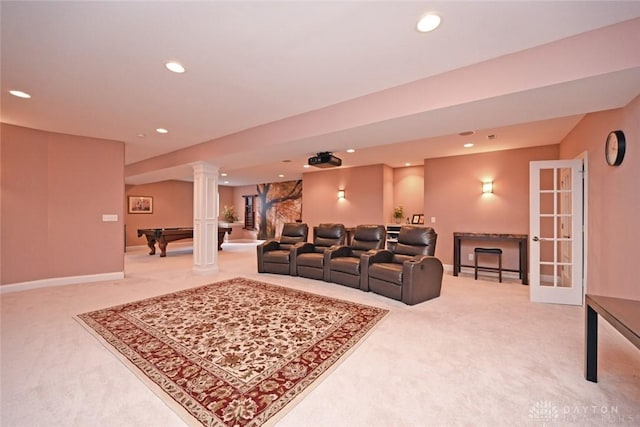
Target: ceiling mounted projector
x,y
324,160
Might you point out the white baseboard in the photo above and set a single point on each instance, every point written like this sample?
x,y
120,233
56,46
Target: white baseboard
x,y
60,281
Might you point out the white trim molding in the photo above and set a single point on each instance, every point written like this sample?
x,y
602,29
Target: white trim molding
x,y
60,281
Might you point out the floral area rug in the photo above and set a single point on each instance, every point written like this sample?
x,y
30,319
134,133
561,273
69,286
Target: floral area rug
x,y
236,352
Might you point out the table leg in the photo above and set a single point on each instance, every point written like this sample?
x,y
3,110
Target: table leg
x,y
456,256
152,245
591,344
163,248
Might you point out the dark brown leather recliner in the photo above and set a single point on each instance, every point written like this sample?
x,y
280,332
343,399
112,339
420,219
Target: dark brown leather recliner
x,y
344,261
274,256
308,258
410,273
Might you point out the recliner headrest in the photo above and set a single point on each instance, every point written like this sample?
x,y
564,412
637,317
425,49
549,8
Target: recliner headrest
x,y
414,240
295,229
329,231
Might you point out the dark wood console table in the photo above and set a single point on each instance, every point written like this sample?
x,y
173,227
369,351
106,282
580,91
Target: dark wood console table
x,y
622,314
522,239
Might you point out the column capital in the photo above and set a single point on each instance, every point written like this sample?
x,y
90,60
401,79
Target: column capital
x,y
204,168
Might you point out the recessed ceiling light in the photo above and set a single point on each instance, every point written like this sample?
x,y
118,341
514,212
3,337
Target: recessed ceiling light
x,y
20,94
306,166
280,176
429,22
407,164
162,130
223,174
226,182
351,150
141,135
468,145
176,67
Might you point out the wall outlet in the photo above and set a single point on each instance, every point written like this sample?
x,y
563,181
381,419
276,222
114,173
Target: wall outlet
x,y
470,257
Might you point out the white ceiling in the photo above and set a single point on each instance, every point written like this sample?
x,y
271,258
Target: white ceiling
x,y
97,69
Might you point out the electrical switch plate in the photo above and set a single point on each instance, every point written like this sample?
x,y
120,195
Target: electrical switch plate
x,y
109,217
470,257
433,220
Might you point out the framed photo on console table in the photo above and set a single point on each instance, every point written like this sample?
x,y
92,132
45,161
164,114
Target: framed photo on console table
x,y
140,204
417,219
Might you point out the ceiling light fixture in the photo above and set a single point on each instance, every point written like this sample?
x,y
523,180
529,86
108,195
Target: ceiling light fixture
x,y
162,130
407,164
468,145
428,22
175,67
351,150
280,176
20,94
223,174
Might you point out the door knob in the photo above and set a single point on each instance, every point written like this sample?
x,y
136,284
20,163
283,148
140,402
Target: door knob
x,y
535,239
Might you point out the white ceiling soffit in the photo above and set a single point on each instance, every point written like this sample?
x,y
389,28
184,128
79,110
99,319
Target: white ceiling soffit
x,y
97,68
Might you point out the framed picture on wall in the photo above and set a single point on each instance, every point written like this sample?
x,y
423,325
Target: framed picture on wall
x,y
417,219
140,204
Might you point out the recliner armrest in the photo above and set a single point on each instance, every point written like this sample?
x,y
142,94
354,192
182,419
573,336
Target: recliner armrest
x,y
269,245
297,249
379,255
422,279
302,248
266,246
338,251
370,257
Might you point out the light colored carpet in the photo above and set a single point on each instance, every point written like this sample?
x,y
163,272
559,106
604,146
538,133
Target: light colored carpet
x,y
479,355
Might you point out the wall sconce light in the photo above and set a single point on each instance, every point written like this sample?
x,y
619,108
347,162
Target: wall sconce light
x,y
340,194
487,187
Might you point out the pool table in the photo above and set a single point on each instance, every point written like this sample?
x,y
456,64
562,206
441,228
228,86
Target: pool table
x,y
165,235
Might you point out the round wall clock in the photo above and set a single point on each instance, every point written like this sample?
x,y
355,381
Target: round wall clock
x,y
614,148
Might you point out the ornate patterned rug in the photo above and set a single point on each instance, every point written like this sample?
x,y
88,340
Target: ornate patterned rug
x,y
236,352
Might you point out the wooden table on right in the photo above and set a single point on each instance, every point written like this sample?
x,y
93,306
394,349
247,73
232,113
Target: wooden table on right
x,y
622,314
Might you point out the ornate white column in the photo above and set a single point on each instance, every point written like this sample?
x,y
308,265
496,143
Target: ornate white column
x,y
205,218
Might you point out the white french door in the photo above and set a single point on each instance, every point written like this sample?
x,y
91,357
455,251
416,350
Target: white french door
x,y
556,231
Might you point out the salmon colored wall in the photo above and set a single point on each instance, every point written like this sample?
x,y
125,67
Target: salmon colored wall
x,y
408,186
226,198
364,202
55,189
613,201
452,194
388,203
172,207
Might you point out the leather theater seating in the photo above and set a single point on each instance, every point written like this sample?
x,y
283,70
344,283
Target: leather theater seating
x,y
410,273
274,256
343,262
309,258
